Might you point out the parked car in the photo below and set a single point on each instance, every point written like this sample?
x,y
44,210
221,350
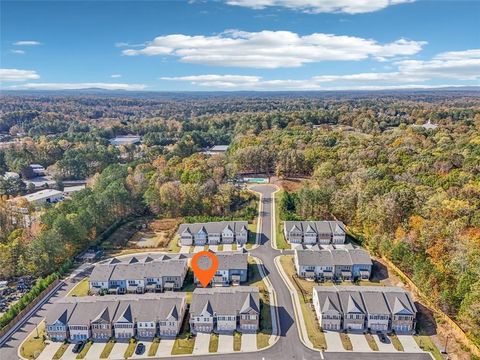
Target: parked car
x,y
383,337
140,349
78,347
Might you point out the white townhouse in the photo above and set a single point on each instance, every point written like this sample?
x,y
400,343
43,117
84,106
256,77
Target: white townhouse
x,y
213,233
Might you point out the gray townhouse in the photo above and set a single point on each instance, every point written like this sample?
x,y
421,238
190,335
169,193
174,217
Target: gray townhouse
x,y
148,273
120,317
232,268
314,232
224,310
213,233
361,308
333,262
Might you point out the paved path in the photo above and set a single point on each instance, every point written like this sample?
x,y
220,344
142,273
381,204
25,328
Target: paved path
x,y
225,343
95,351
409,343
249,342
49,351
165,347
385,347
198,248
118,351
227,247
213,248
201,344
184,249
145,353
69,354
359,343
334,343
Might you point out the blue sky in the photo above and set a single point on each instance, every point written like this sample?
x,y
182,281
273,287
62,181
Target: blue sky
x,y
239,44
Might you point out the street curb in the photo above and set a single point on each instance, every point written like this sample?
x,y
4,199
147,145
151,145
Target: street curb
x,y
302,332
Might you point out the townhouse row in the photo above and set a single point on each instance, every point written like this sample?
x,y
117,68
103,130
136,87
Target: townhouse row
x,y
213,233
111,316
151,273
361,308
221,310
314,232
333,262
232,268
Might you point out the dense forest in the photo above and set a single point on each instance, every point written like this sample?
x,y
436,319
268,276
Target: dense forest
x,y
412,193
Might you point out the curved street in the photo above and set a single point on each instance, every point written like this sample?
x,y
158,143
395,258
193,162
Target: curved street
x,y
288,344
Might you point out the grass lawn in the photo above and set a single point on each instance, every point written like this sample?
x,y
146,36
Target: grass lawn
x,y
234,247
426,344
173,245
347,344
213,345
252,232
237,341
280,238
61,350
130,349
107,349
152,351
220,247
185,341
255,279
206,247
191,249
396,343
371,342
81,289
304,291
83,353
34,345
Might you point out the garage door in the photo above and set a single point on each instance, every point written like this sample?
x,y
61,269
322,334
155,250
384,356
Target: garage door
x,y
381,327
355,326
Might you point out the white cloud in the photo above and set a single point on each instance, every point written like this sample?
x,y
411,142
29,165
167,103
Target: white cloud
x,y
18,52
116,76
272,49
409,74
18,75
27,43
79,86
321,6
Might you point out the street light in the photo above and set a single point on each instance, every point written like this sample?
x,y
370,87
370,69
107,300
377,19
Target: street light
x,y
446,343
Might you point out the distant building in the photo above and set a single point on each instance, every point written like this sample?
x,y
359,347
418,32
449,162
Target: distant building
x,y
38,169
428,125
11,175
68,191
49,196
217,149
360,308
126,140
221,232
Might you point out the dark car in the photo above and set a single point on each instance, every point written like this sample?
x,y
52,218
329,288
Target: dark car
x,y
140,349
78,347
383,337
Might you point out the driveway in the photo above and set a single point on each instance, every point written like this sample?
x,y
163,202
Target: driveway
x,y
249,342
95,351
334,343
49,351
68,354
384,347
145,353
213,248
201,344
165,347
198,248
359,342
225,343
118,350
409,343
184,249
227,247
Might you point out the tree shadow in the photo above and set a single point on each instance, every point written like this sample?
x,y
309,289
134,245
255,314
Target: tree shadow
x,y
379,271
426,323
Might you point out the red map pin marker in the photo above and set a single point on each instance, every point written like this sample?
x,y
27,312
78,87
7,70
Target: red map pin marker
x,y
203,268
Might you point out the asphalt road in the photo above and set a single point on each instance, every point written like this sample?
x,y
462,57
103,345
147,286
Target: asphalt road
x,y
288,345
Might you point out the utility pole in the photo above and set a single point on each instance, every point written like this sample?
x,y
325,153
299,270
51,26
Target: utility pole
x,y
446,343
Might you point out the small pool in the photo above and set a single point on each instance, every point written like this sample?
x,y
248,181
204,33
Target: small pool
x,y
256,180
